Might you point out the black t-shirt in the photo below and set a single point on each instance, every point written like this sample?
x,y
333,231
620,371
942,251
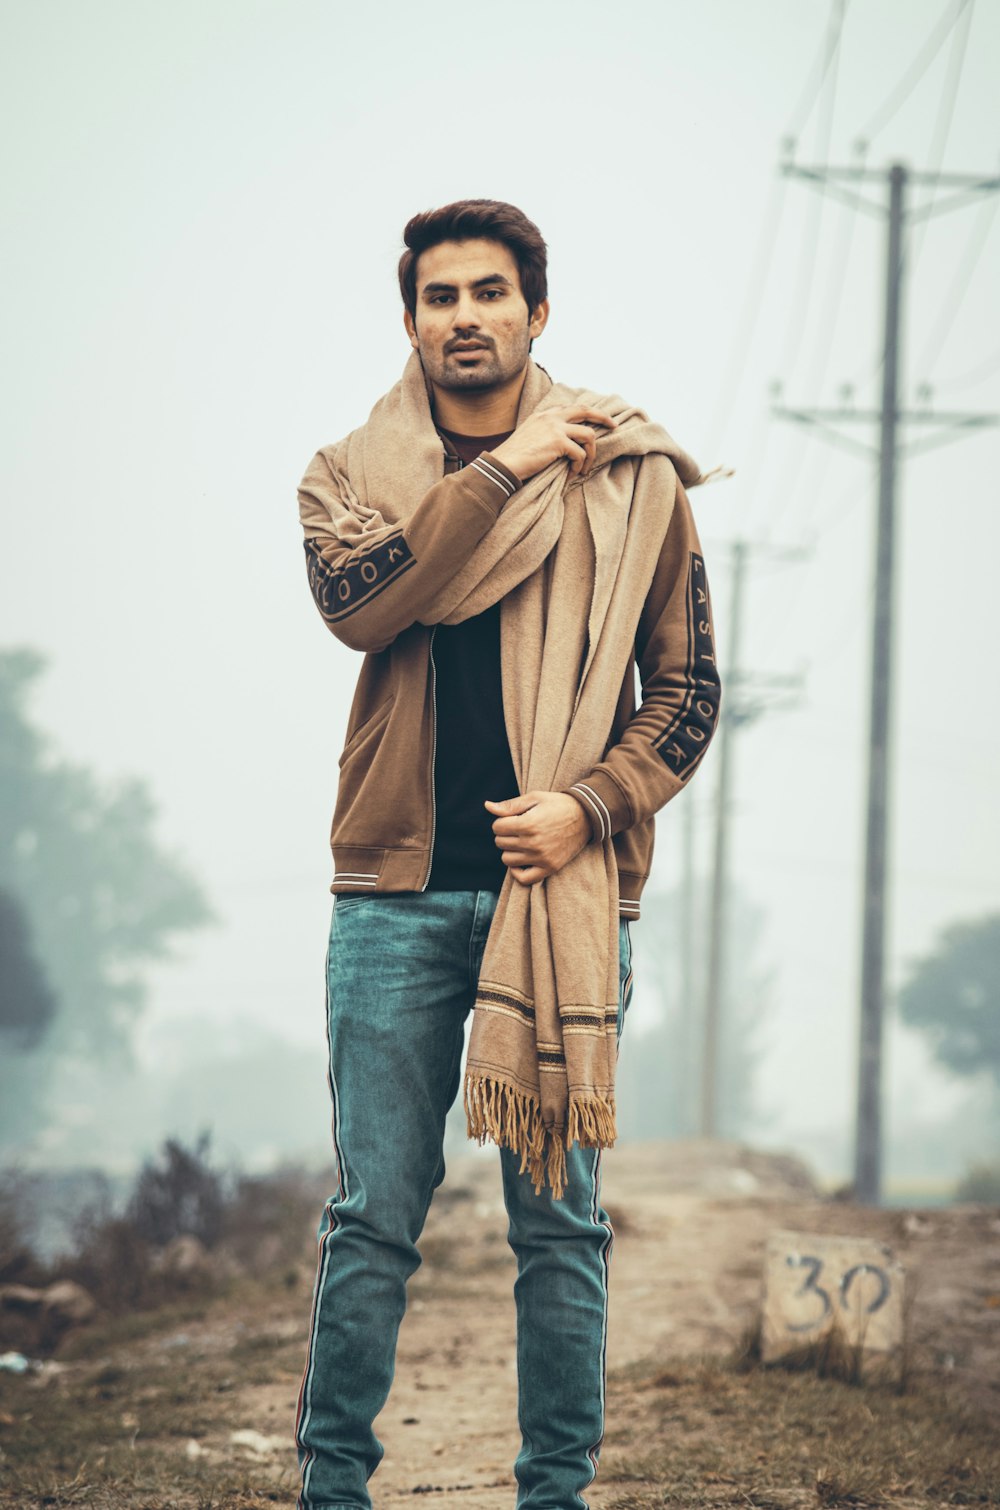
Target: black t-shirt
x,y
472,756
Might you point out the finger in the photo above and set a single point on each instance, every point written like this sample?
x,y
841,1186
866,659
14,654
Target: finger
x,y
511,805
509,832
512,826
517,857
585,437
577,455
529,877
592,416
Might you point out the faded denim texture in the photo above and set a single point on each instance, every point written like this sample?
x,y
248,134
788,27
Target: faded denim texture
x,y
402,971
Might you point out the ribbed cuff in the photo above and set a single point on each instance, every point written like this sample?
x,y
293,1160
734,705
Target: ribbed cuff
x,y
604,803
591,809
501,477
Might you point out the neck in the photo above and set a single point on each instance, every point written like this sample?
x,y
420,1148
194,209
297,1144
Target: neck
x,y
491,411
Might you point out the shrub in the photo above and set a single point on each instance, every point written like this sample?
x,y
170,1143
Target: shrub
x,y
114,1264
257,1224
18,1264
980,1183
179,1194
117,1255
268,1219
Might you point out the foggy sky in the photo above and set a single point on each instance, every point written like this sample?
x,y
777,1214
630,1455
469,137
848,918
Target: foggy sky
x,y
203,216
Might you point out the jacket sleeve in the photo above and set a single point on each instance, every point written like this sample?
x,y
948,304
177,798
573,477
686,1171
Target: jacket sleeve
x,y
369,592
666,738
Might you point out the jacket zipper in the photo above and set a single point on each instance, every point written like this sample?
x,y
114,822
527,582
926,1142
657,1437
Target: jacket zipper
x,y
430,853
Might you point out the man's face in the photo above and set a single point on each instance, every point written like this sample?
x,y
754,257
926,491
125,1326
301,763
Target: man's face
x,y
472,326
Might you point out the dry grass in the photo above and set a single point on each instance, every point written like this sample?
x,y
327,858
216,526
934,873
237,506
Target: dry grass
x,y
722,1432
111,1431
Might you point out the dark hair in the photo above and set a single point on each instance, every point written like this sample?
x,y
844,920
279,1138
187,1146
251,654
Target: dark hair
x,y
468,220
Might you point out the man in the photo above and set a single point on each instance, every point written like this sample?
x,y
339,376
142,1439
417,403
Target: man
x,y
504,552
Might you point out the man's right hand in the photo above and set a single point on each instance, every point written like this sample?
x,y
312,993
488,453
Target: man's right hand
x,y
564,430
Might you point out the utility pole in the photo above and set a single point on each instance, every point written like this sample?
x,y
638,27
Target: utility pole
x,y
744,698
868,1135
868,1142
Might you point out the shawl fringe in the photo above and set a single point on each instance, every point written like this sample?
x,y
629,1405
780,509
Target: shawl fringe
x,y
503,1114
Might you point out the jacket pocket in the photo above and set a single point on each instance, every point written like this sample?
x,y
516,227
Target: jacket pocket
x,y
370,728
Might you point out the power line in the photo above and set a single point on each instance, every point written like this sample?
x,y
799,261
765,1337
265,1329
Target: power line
x,y
823,346
806,263
800,304
949,95
973,375
947,26
753,303
944,27
901,92
763,260
944,323
828,51
946,113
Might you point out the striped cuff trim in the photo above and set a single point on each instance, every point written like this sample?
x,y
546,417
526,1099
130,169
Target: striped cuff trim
x,y
355,877
624,905
495,475
597,804
589,802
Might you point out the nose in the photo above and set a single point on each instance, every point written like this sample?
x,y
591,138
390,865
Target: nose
x,y
466,313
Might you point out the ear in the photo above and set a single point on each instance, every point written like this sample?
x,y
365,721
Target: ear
x,y
411,329
539,319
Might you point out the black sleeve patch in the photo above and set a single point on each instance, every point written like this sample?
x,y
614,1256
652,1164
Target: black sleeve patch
x,y
685,741
341,591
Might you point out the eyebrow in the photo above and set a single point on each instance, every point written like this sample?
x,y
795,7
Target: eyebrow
x,y
449,288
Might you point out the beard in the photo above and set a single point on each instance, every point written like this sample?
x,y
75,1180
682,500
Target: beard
x,y
491,368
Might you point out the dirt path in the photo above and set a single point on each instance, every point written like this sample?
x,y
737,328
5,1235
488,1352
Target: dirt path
x,y
147,1421
691,1225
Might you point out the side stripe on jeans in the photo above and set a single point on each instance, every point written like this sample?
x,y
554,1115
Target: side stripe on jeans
x,y
304,1409
595,1206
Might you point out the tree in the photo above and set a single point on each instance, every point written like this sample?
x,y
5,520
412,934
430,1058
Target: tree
x,y
953,996
99,897
27,1005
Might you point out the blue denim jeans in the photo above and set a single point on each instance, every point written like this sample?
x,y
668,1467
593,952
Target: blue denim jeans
x,y
402,972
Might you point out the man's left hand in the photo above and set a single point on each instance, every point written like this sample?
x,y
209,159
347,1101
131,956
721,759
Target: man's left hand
x,y
539,833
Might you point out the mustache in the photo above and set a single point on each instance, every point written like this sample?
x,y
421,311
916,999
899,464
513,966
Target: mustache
x,y
467,342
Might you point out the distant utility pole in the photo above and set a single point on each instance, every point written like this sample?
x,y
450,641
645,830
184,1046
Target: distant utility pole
x,y
744,698
949,426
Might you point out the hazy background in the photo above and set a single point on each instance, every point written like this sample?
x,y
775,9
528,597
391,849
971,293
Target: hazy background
x,y
203,214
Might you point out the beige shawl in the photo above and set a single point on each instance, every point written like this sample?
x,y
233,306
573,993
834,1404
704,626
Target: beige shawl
x,y
572,560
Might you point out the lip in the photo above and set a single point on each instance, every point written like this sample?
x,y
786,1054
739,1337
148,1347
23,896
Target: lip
x,y
466,350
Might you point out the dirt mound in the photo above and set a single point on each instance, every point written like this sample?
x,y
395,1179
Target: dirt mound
x,y
710,1167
